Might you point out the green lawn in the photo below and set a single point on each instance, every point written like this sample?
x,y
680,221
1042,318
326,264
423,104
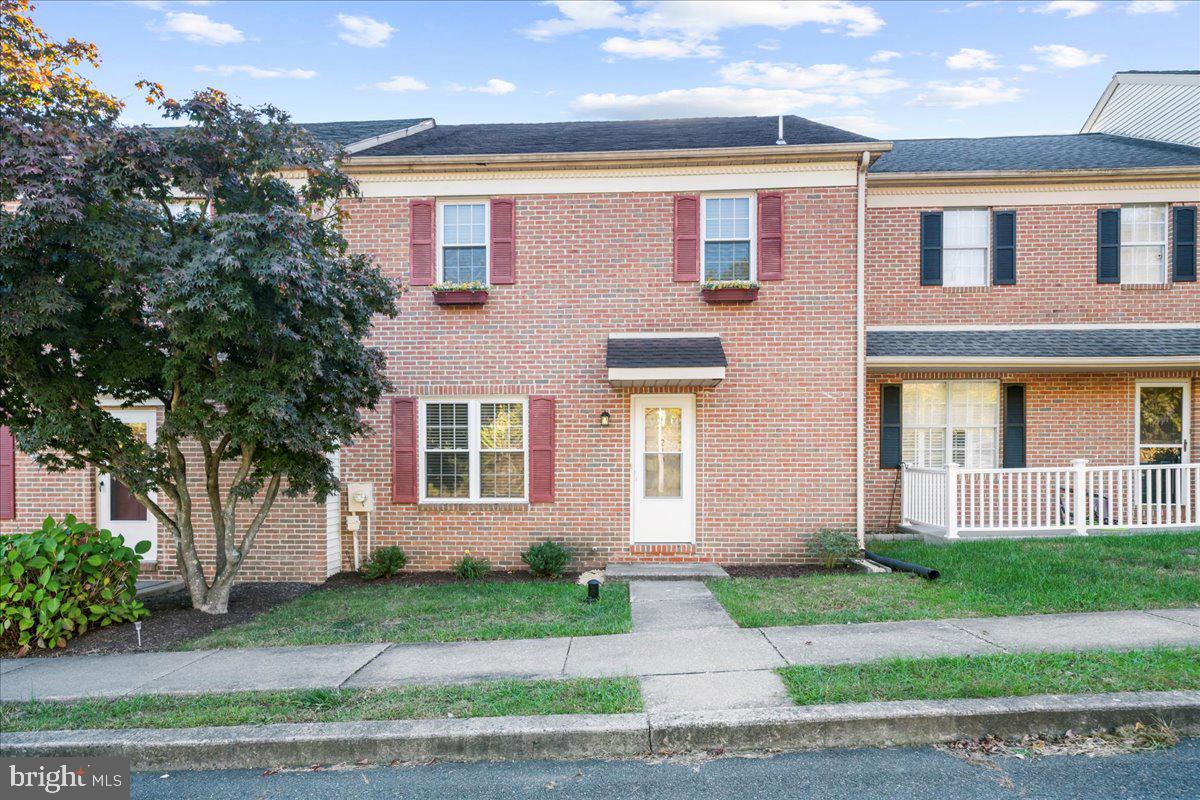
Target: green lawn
x,y
983,579
1156,669
494,699
432,613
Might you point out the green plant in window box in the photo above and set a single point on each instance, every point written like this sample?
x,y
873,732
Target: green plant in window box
x,y
471,286
713,286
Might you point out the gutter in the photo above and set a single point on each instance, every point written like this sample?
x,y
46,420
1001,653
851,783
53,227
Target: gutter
x,y
977,363
885,179
860,352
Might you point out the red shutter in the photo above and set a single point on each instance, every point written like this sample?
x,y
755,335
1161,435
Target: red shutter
x,y
687,238
770,236
8,474
541,449
404,450
504,256
420,241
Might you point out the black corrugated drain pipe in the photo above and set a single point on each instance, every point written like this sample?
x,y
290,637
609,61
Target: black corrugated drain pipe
x,y
904,566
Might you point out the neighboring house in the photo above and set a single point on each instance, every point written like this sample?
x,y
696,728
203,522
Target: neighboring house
x,y
1004,304
1150,105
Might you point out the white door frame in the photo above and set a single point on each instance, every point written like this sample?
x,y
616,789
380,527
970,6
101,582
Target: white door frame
x,y
1186,420
687,527
133,531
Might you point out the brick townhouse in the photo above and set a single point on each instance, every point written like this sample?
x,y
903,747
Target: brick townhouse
x,y
923,335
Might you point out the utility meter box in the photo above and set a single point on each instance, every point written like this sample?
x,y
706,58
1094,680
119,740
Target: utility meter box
x,y
360,497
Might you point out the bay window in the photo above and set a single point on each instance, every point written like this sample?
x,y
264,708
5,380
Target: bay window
x,y
950,421
474,450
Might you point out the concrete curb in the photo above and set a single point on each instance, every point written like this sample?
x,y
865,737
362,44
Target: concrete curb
x,y
613,736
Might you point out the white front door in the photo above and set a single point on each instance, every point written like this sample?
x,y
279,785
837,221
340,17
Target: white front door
x,y
664,468
119,510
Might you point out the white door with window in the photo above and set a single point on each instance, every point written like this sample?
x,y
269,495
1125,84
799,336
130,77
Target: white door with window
x,y
119,510
663,499
1163,425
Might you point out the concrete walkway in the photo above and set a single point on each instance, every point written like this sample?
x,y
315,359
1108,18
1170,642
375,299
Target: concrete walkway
x,y
719,666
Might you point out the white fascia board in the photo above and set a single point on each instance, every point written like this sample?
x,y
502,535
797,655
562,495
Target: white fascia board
x,y
646,376
976,363
1076,326
384,138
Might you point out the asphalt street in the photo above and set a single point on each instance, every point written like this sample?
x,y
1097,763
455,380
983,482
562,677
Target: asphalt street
x,y
894,774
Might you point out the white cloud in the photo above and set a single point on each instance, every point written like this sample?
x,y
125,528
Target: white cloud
x,y
198,28
859,123
1066,57
981,92
703,101
492,86
705,19
363,31
1027,68
778,75
665,49
1072,8
769,45
884,56
402,83
972,58
1151,7
257,72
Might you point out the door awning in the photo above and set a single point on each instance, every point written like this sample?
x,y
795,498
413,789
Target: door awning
x,y
665,359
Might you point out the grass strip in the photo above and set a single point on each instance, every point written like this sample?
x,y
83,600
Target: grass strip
x,y
491,699
433,613
1008,675
983,579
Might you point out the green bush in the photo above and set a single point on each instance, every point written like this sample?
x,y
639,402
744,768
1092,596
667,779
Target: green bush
x,y
834,546
58,581
384,563
470,568
547,559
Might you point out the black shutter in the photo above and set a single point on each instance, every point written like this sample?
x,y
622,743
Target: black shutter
x,y
1014,426
1108,245
1183,255
1004,248
931,248
890,425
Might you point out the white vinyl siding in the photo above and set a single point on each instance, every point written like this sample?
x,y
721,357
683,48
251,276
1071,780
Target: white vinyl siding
x,y
966,245
951,421
1144,244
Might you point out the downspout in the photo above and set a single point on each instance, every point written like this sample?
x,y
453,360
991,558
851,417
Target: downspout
x,y
860,357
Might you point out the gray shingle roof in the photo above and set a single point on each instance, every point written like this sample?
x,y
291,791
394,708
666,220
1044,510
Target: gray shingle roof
x,y
613,136
639,353
1037,343
1000,153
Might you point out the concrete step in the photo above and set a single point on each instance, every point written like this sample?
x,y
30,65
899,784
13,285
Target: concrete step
x,y
664,572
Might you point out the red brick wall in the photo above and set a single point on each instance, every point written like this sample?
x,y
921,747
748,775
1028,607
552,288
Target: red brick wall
x,y
1056,277
1068,416
775,440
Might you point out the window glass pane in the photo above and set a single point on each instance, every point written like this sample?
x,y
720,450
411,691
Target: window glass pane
x,y
1142,264
924,447
1143,224
501,426
463,224
661,475
727,218
964,268
965,227
502,474
464,264
1161,415
973,447
924,403
727,261
664,430
974,403
447,475
446,426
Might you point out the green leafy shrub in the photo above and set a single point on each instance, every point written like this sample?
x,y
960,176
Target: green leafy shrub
x,y
547,559
834,546
712,285
62,579
384,563
470,568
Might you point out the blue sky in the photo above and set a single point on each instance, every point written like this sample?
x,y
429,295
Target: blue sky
x,y
887,69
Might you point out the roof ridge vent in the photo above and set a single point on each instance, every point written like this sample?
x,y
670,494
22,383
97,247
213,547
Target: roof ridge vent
x,y
780,140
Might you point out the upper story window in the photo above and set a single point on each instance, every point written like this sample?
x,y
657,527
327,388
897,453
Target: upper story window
x,y
728,225
1144,244
948,421
463,242
965,246
473,450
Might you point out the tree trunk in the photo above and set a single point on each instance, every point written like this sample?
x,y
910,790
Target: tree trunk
x,y
216,599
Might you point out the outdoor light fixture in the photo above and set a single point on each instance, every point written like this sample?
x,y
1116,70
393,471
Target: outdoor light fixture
x,y
593,590
605,418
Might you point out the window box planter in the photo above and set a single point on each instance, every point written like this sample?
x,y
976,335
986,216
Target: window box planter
x,y
460,294
718,294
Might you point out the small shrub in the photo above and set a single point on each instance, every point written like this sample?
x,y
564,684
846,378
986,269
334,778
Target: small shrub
x,y
62,579
834,546
384,563
547,559
470,568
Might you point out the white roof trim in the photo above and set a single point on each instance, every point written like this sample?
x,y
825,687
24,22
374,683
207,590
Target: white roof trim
x,y
665,376
384,138
1010,362
1080,326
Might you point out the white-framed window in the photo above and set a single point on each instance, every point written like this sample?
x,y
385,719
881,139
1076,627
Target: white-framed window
x,y
1144,244
966,246
462,231
951,421
727,223
474,450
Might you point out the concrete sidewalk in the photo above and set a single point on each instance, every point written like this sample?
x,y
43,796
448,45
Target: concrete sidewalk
x,y
687,659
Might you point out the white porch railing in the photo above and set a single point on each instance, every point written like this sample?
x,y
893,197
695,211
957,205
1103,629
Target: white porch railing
x,y
1075,499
